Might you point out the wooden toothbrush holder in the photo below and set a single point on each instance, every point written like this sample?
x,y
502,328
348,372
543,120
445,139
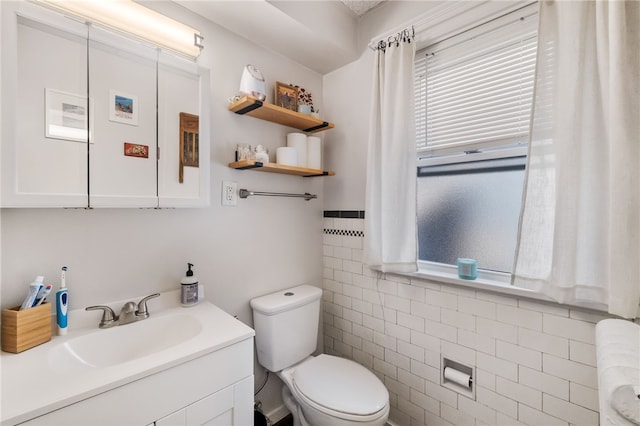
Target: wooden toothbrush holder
x,y
22,330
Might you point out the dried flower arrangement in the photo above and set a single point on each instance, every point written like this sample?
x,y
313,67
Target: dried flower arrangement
x,y
304,97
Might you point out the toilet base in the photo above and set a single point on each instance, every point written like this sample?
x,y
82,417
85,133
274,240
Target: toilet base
x,y
293,407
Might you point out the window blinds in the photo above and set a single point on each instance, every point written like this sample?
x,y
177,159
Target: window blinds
x,y
474,90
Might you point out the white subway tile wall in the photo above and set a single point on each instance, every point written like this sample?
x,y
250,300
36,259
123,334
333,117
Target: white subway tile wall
x,y
535,362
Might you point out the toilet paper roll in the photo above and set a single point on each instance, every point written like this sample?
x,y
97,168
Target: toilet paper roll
x,y
314,152
299,142
457,377
287,156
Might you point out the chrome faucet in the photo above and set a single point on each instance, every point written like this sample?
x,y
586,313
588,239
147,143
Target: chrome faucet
x,y
129,313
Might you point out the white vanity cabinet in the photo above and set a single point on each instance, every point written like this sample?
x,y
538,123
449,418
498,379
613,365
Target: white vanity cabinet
x,y
91,118
218,409
178,366
214,389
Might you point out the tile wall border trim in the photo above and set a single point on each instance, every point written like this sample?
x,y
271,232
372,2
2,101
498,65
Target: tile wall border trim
x,y
344,214
343,232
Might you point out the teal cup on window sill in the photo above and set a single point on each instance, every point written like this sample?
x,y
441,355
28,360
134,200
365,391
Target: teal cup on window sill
x,y
467,268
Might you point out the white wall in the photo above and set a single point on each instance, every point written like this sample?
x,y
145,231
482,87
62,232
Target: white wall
x,y
262,245
347,101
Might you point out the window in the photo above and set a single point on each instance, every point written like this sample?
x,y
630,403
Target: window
x,y
471,210
473,107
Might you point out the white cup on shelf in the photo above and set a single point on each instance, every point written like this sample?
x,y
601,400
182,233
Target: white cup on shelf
x,y
287,156
304,109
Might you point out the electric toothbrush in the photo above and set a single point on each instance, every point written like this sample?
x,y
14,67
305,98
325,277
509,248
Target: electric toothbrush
x,y
62,304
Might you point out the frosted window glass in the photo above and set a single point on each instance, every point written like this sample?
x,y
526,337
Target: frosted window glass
x,y
470,211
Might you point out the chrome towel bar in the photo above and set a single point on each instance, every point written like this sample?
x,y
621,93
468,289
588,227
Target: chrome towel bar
x,y
244,193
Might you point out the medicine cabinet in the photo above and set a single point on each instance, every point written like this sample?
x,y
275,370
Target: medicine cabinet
x,y
91,118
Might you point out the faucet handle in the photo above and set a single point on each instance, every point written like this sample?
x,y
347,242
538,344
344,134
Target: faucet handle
x,y
142,305
108,316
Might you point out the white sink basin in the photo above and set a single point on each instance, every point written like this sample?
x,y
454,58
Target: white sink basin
x,y
124,343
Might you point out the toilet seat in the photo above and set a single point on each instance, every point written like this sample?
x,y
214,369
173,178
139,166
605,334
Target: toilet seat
x,y
340,388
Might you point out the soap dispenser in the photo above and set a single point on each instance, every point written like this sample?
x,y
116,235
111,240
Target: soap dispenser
x,y
189,288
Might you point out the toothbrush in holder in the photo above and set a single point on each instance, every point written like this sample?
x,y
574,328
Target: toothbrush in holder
x,y
42,294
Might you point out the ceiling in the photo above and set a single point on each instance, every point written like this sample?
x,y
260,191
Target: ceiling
x,y
326,35
326,32
361,7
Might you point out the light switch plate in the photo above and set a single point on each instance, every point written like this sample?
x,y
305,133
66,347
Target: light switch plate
x,y
229,193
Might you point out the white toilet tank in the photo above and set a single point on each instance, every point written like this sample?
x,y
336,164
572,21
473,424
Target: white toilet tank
x,y
286,325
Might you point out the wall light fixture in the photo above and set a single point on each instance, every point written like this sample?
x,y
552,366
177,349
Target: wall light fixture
x,y
132,18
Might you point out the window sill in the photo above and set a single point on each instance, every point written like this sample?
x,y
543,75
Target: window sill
x,y
496,282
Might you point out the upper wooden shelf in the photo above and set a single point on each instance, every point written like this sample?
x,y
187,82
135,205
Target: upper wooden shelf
x,y
270,112
279,168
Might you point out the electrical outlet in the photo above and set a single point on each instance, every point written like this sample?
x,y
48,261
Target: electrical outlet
x,y
229,193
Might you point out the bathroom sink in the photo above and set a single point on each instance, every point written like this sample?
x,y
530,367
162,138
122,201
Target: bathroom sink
x,y
88,362
117,345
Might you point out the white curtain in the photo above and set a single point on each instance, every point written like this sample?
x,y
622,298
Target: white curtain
x,y
580,226
390,236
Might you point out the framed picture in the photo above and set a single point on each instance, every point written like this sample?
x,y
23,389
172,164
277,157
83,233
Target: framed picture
x,y
123,107
136,150
286,96
66,116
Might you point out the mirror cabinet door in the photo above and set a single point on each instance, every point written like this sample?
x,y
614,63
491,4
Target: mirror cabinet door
x,y
183,166
45,112
122,86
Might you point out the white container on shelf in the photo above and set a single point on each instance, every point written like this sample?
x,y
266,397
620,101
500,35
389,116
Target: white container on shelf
x,y
314,152
287,156
298,141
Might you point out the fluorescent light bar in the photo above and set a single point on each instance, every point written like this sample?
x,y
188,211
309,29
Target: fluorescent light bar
x,y
132,18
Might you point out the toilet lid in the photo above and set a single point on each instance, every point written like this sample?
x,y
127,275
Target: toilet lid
x,y
340,385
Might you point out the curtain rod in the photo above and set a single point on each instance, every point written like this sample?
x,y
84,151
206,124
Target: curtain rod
x,y
244,193
439,12
445,11
406,35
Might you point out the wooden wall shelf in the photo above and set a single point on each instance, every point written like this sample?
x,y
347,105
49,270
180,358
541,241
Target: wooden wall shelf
x,y
279,168
270,112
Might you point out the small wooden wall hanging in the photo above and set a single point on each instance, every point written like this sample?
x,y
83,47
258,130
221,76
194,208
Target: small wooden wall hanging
x,y
136,150
189,142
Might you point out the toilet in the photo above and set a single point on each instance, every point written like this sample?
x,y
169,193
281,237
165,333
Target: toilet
x,y
320,390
